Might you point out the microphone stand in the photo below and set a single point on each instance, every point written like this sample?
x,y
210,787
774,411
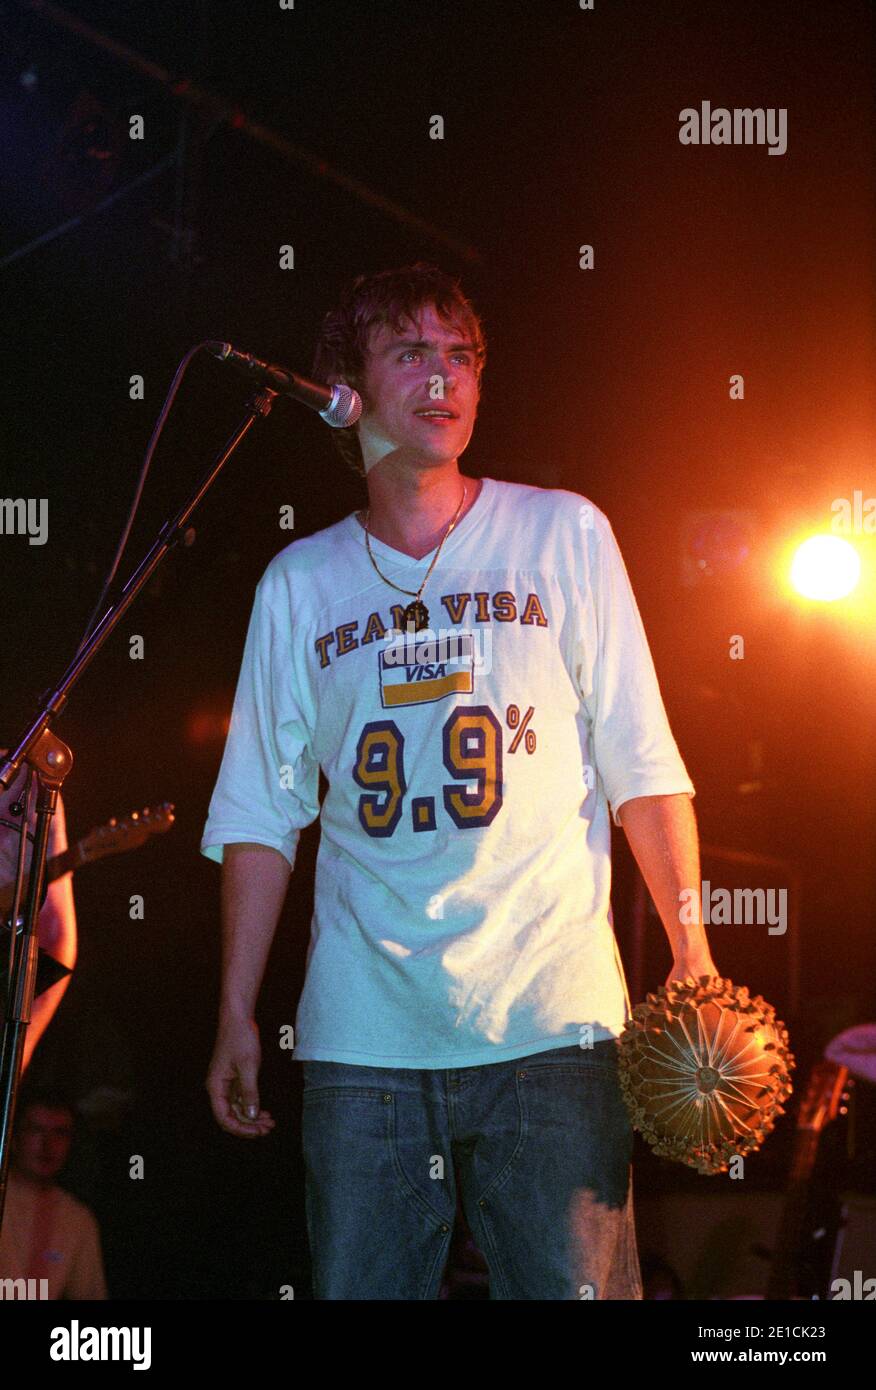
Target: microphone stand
x,y
51,760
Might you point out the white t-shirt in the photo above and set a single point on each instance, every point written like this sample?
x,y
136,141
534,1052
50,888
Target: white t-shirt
x,y
461,909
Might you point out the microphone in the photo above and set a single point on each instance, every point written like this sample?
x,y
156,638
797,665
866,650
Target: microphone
x,y
340,406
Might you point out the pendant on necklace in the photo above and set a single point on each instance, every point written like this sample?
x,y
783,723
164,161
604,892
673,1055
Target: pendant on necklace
x,y
416,616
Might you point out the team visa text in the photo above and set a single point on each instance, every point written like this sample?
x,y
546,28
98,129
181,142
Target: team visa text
x,y
501,607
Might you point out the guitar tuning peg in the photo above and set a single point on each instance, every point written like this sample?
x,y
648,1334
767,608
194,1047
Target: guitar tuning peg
x,y
146,813
113,822
135,815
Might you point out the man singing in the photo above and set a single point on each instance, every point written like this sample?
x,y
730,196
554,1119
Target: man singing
x,y
465,661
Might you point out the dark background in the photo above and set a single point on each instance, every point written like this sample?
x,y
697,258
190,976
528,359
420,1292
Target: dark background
x,y
561,128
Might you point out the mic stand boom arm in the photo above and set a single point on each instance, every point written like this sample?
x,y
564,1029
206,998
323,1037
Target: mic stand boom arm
x,y
51,760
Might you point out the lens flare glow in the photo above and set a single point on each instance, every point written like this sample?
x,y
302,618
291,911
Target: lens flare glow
x,y
825,568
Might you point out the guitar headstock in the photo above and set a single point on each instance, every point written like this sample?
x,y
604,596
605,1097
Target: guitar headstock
x,y
825,1096
119,835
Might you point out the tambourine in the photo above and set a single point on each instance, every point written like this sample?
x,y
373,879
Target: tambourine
x,y
704,1070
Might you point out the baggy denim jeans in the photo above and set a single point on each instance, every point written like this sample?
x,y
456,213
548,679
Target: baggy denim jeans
x,y
540,1147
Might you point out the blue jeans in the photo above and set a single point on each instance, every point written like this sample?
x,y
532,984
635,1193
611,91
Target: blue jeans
x,y
540,1147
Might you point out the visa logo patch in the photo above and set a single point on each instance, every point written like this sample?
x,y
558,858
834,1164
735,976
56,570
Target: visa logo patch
x,y
416,670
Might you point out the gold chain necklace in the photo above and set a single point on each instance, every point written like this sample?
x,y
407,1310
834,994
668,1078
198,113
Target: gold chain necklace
x,y
416,614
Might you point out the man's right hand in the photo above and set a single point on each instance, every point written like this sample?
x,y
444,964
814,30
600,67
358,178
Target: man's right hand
x,y
232,1080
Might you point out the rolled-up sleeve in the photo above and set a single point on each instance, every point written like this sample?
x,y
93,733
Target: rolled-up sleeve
x,y
268,784
633,747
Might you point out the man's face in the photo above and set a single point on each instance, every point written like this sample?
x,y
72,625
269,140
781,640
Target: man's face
x,y
406,373
42,1142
